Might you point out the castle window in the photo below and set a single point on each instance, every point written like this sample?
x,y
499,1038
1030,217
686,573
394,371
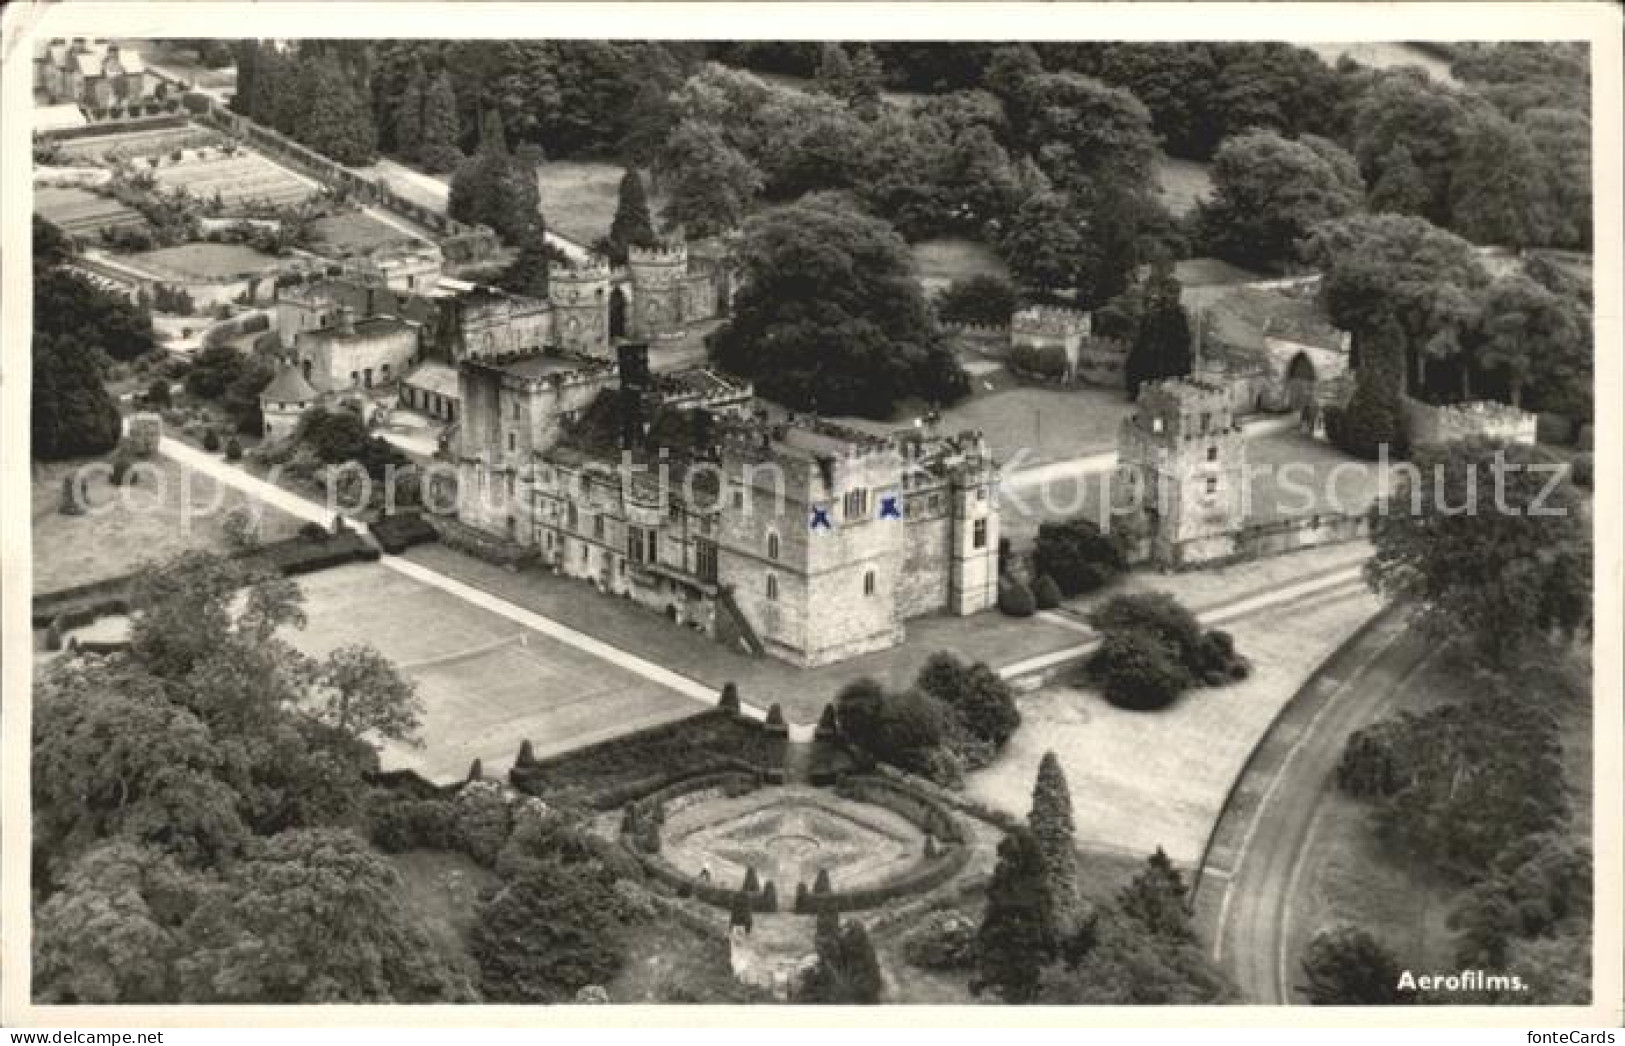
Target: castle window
x,y
1206,417
739,500
772,587
675,512
513,442
705,560
1156,424
979,534
598,527
1213,484
869,582
573,515
856,504
1213,453
516,410
772,546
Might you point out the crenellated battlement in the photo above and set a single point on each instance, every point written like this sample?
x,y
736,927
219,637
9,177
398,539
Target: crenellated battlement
x,y
552,370
666,254
593,269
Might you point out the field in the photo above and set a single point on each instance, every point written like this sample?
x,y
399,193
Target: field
x,y
199,262
1141,780
1182,184
356,230
79,212
241,178
1379,55
579,198
488,684
169,511
941,262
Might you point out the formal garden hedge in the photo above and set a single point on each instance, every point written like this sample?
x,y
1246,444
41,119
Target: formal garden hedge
x,y
615,772
401,531
304,554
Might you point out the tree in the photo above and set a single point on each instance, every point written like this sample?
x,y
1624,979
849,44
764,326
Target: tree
x,y
710,185
1050,820
1373,420
1077,556
313,916
114,929
528,275
830,317
1046,244
1405,110
72,414
1388,266
834,73
441,131
1085,134
1017,938
982,701
1561,138
1016,599
1155,899
985,299
1269,191
1401,187
1484,548
337,122
548,934
1498,187
359,692
1139,671
1346,966
633,225
407,126
1162,345
496,188
1527,333
848,972
1046,593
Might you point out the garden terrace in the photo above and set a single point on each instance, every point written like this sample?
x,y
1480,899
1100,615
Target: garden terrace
x,y
240,178
83,214
612,773
204,263
113,144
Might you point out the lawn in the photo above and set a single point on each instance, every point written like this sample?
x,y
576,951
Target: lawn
x,y
487,683
194,262
443,891
356,230
79,212
1141,780
1040,423
170,510
803,692
942,261
1295,475
579,198
1182,184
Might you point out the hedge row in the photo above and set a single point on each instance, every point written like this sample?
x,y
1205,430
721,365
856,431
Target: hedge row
x,y
718,896
920,879
303,554
620,770
400,532
910,803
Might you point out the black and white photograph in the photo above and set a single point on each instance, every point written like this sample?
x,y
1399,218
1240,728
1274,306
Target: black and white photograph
x,y
936,506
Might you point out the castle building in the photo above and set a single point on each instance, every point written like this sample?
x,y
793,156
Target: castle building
x,y
801,539
283,400
671,290
1183,454
580,298
90,73
353,354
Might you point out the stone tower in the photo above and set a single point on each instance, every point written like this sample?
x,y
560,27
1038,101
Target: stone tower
x,y
1185,456
973,570
580,297
657,290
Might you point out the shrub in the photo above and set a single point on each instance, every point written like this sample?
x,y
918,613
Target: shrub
x,y
827,729
752,883
1046,362
234,449
72,502
1077,556
527,755
483,820
984,299
158,394
1016,600
313,532
1046,593
1139,671
414,824
770,897
729,701
944,940
53,634
476,770
821,884
211,441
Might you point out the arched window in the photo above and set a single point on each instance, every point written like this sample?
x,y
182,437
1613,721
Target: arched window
x,y
772,546
772,587
869,583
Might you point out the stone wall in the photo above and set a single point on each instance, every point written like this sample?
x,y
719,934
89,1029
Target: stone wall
x,y
1482,420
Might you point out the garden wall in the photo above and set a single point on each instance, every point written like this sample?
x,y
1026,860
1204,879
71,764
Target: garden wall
x,y
1483,420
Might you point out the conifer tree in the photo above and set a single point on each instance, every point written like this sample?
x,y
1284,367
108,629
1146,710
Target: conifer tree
x,y
1156,898
863,91
834,72
1375,415
1017,936
408,112
527,275
441,132
1052,828
1162,348
633,225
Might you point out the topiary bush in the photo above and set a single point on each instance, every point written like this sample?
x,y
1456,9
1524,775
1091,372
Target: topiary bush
x,y
775,716
53,635
211,441
1046,593
729,701
1016,600
1138,671
1581,469
1077,556
483,820
527,755
234,449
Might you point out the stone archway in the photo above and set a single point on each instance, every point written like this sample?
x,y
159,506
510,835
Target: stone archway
x,y
1300,382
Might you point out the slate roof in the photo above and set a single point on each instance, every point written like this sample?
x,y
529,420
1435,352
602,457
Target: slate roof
x,y
289,386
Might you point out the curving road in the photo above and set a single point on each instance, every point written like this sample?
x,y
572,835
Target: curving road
x,y
1268,829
